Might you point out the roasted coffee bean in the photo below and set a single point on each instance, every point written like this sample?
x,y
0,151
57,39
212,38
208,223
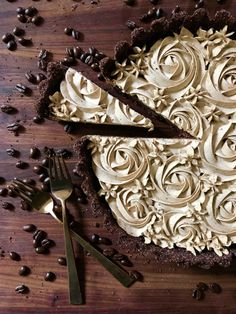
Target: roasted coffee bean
x,y
22,289
29,228
3,192
95,238
21,164
136,275
69,128
95,67
45,162
37,20
220,1
144,18
77,52
29,181
68,31
25,206
75,34
35,243
42,64
30,77
68,61
12,152
103,240
154,1
99,56
131,24
215,287
7,37
7,205
11,45
84,56
8,109
40,77
49,276
34,153
109,252
14,127
126,262
38,119
24,271
119,257
25,41
199,4
11,192
38,169
41,250
198,294
93,51
62,261
42,176
39,235
89,60
43,54
31,11
20,10
176,9
18,31
23,89
151,13
46,181
101,77
73,224
129,2
14,256
159,13
202,286
65,153
22,18
47,243
81,200
2,180
70,52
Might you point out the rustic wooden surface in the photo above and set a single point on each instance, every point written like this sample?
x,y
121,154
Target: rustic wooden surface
x,y
166,288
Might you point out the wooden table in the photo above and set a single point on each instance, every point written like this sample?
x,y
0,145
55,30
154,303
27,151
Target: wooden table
x,y
166,288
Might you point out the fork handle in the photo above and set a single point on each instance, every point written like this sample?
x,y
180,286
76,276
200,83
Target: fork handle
x,y
74,285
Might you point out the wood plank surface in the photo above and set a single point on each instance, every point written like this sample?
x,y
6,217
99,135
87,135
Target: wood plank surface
x,y
165,288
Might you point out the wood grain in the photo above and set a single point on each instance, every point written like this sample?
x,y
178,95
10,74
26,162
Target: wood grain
x,y
166,288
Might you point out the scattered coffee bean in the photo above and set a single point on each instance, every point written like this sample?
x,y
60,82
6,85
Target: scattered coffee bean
x,y
75,34
215,287
144,18
21,164
39,235
49,276
11,45
29,228
95,238
198,294
24,271
31,11
199,4
131,25
154,1
2,180
176,9
8,109
35,243
103,240
29,181
47,243
93,51
34,153
109,252
68,31
43,54
14,127
38,169
12,152
42,64
11,192
22,289
99,56
18,31
77,52
22,18
7,205
159,13
65,153
37,20
23,89
7,37
25,41
25,206
89,60
38,119
3,192
68,61
119,257
45,162
42,177
95,67
14,256
62,261
20,10
41,250
70,52
101,77
129,2
202,286
136,275
46,181
40,77
69,128
73,224
126,262
81,200
30,77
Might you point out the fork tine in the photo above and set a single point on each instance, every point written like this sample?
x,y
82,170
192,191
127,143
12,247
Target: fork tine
x,y
23,185
66,172
54,167
60,169
21,193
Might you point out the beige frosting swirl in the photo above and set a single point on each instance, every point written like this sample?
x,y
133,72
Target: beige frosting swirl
x,y
80,99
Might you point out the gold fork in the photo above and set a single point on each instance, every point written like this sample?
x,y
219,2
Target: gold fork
x,y
61,189
43,202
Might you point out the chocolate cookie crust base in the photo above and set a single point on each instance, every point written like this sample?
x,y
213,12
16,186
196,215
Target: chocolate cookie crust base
x,y
99,207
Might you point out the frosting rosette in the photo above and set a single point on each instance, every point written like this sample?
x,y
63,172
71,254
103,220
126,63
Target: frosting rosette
x,y
176,64
218,150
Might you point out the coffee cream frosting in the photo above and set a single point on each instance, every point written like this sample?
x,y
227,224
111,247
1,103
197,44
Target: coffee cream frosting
x,y
80,100
177,193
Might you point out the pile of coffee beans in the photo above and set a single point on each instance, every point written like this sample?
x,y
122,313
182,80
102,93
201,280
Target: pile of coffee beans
x,y
199,292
